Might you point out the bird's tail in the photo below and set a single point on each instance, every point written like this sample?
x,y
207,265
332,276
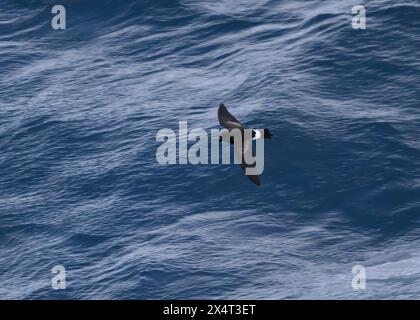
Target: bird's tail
x,y
267,134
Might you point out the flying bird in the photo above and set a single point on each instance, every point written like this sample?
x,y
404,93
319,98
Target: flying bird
x,y
228,121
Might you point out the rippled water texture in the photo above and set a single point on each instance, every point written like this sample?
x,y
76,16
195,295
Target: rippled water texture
x,y
80,185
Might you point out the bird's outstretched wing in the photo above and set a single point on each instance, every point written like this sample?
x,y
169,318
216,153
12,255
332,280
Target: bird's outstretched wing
x,y
227,120
254,178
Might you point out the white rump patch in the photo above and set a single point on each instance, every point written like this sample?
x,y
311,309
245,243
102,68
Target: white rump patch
x,y
257,134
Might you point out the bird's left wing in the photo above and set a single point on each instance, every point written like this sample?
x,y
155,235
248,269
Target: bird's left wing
x,y
227,120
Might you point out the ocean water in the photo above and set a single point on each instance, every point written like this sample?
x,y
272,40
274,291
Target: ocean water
x,y
80,186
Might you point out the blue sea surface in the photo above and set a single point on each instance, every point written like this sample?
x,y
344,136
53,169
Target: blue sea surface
x,y
80,185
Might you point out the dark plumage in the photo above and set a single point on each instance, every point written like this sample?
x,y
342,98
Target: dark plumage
x,y
228,121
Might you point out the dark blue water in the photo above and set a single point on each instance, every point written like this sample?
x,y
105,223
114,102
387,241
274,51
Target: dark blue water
x,y
80,185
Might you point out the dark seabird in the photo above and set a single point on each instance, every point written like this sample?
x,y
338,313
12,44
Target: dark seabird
x,y
228,121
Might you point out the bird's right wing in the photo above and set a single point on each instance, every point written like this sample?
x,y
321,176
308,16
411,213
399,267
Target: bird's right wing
x,y
254,178
227,120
